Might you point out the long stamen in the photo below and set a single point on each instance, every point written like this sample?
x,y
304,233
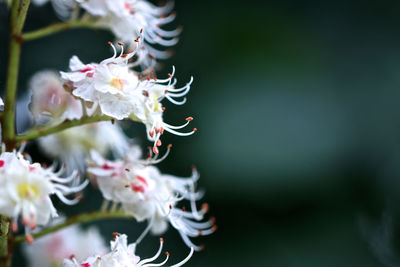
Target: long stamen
x,y
186,259
179,133
156,255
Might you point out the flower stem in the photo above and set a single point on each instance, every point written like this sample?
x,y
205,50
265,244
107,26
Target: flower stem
x,y
17,20
82,218
51,129
57,27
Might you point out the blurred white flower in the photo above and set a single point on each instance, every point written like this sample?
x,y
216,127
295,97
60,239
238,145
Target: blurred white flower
x,y
123,254
63,8
50,250
131,20
73,145
50,102
26,190
147,194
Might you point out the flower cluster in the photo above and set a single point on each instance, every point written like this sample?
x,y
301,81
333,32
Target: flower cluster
x,y
147,194
122,254
26,190
76,118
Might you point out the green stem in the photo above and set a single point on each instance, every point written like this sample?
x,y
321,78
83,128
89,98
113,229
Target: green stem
x,y
59,27
4,254
17,19
50,129
22,16
82,218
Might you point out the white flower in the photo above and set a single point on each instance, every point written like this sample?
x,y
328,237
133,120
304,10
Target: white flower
x,y
50,101
26,190
121,93
109,84
50,250
124,255
147,194
1,104
151,111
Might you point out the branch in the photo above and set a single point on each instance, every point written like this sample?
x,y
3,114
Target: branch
x,y
82,218
51,129
57,27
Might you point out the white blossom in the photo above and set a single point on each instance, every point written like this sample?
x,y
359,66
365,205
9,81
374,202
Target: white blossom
x,y
124,255
147,194
109,84
121,93
50,250
26,190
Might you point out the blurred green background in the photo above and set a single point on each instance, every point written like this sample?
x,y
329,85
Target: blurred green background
x,y
298,146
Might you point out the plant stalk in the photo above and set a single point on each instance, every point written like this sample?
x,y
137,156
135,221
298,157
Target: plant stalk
x,y
57,27
78,219
50,129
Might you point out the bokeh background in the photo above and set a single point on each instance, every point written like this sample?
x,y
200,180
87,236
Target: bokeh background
x,y
298,146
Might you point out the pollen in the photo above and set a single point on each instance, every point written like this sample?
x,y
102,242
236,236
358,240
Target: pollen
x,y
117,83
28,191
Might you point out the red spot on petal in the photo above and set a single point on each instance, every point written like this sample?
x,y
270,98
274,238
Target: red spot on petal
x,y
86,69
138,189
127,6
1,163
142,179
107,167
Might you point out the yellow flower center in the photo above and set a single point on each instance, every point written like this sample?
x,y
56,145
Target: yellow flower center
x,y
157,107
26,190
117,83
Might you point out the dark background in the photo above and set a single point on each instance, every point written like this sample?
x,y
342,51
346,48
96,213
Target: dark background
x,y
298,146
